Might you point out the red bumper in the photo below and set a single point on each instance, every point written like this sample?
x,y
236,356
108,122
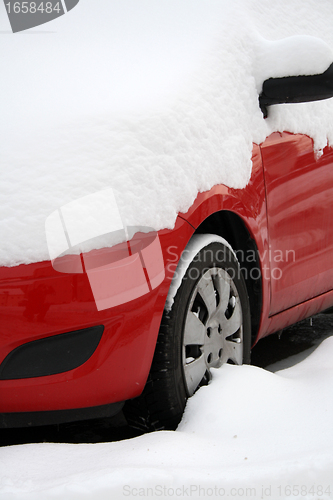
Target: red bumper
x,y
37,302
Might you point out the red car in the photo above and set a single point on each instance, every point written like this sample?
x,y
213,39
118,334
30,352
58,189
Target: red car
x,y
142,323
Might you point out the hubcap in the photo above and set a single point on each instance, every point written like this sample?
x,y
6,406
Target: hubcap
x,y
213,332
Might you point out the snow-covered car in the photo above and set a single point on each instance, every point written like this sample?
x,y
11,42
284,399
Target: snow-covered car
x,y
155,231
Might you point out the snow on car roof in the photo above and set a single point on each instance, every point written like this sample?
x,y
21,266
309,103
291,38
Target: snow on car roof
x,y
156,100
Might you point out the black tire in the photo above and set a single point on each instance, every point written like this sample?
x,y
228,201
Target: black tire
x,y
207,325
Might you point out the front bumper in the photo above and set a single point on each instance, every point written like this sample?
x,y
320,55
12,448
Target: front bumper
x,y
37,302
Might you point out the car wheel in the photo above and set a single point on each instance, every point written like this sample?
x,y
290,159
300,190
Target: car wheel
x,y
206,323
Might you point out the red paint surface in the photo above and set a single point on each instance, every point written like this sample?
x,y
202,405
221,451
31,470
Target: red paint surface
x,y
37,301
300,219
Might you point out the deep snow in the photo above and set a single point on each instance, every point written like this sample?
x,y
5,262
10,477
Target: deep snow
x,y
155,100
250,434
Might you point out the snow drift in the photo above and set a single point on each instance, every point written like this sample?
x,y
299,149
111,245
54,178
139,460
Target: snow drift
x,y
249,434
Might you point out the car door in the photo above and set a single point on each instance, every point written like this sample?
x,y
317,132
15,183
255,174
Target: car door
x,y
299,193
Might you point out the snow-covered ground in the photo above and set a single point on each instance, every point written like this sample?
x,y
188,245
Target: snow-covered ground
x,y
251,433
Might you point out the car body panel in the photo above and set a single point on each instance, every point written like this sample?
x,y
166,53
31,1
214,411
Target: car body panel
x,y
37,302
299,190
250,205
58,303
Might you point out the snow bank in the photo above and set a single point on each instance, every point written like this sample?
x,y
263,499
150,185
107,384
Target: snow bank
x,y
156,100
250,433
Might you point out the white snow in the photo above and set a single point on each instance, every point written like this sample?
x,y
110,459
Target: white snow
x,y
249,434
154,100
197,242
295,55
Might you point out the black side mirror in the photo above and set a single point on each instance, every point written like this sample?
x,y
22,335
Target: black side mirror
x,y
293,89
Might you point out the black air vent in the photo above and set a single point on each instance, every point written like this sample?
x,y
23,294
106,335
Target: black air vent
x,y
51,355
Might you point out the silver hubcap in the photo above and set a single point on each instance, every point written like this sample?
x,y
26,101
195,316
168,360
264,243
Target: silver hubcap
x,y
213,332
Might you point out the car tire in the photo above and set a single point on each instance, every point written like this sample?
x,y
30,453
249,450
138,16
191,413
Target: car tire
x,y
206,323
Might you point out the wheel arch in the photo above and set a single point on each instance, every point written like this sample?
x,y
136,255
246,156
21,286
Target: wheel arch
x,y
231,227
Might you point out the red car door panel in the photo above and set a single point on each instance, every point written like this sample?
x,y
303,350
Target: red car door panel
x,y
299,189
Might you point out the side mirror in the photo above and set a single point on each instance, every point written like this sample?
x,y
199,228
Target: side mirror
x,y
293,89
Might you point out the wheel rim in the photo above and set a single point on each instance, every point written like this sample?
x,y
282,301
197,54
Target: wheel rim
x,y
213,329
